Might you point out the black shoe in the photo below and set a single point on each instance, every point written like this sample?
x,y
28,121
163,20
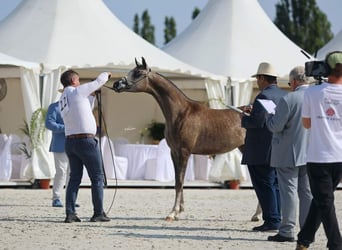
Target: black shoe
x,y
264,228
279,238
71,218
102,218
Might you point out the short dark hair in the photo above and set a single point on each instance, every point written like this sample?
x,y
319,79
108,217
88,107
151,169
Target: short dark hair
x,y
66,77
270,79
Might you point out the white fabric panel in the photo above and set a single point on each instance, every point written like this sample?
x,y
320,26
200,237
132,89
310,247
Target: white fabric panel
x,y
117,169
228,166
203,164
5,157
42,164
161,168
137,155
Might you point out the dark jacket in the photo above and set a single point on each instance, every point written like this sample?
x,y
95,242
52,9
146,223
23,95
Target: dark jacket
x,y
257,149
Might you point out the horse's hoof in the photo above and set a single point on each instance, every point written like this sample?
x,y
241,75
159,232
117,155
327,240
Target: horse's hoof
x,y
169,218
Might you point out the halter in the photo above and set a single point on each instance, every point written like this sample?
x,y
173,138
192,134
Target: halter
x,y
130,82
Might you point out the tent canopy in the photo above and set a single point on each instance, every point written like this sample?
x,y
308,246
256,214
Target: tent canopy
x,y
231,38
79,34
10,60
333,45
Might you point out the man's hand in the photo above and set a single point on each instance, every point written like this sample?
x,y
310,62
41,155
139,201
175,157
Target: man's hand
x,y
246,109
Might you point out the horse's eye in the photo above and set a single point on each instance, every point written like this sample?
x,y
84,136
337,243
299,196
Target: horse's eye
x,y
136,74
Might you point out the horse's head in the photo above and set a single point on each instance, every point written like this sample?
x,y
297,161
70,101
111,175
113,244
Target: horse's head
x,y
134,81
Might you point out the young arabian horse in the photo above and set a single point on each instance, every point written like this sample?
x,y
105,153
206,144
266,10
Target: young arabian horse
x,y
190,128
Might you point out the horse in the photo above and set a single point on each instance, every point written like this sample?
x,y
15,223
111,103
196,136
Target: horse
x,y
190,126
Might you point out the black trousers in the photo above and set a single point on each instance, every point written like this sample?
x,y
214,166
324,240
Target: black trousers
x,y
324,178
265,183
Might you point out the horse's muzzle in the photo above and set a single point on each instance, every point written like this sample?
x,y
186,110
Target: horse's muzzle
x,y
119,85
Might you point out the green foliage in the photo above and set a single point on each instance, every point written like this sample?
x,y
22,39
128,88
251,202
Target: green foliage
x,y
195,13
304,23
136,24
147,29
156,130
170,30
35,131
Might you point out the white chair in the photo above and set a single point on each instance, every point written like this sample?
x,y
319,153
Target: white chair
x,y
17,156
202,165
161,168
116,167
5,157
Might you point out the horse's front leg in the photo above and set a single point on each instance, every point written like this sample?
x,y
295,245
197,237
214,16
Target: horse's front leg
x,y
178,206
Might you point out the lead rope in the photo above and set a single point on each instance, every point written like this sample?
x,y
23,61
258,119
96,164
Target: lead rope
x,y
102,119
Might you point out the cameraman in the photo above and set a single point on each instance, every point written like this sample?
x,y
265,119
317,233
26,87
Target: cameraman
x,y
322,112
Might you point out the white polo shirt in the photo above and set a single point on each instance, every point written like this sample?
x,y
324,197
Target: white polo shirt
x,y
323,105
76,106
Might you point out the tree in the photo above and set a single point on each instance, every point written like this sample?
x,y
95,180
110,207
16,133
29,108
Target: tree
x,y
170,30
195,13
147,29
136,24
304,23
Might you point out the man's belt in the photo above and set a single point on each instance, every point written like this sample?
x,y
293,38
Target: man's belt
x,y
79,136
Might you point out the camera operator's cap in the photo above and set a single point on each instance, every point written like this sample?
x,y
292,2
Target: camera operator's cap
x,y
334,58
266,69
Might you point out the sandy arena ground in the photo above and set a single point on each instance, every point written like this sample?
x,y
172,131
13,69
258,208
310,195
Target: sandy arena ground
x,y
213,219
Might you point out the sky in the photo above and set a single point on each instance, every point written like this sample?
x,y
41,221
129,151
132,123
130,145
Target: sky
x,y
181,10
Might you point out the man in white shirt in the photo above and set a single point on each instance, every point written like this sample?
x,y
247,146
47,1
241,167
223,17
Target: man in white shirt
x,y
81,147
322,114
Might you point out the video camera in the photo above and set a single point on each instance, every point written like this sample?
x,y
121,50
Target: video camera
x,y
316,69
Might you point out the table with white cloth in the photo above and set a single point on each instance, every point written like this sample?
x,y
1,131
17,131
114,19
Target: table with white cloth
x,y
137,155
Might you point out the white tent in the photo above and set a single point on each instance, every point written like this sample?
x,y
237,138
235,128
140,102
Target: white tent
x,y
333,45
10,60
79,34
231,38
59,34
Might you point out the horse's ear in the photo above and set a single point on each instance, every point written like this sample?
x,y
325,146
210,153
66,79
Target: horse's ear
x,y
136,62
145,64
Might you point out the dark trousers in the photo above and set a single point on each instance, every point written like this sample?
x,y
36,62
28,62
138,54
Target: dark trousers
x,y
84,152
265,183
324,178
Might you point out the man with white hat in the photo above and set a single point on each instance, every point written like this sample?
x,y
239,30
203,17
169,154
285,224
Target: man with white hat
x,y
257,149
